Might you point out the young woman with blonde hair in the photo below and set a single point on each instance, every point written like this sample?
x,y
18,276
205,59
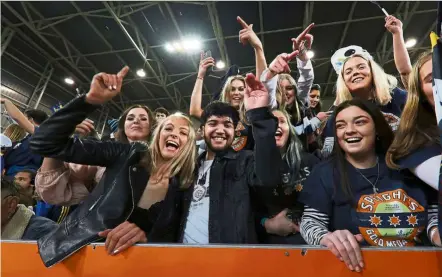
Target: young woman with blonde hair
x,y
417,145
141,181
360,76
233,89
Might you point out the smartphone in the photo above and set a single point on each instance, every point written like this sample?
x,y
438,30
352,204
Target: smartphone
x,y
208,54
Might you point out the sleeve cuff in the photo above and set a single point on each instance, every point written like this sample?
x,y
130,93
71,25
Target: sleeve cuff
x,y
53,172
258,114
304,65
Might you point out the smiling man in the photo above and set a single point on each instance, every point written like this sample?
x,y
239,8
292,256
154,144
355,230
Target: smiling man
x,y
225,214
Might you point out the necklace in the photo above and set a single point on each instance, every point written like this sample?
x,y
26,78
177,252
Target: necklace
x,y
375,189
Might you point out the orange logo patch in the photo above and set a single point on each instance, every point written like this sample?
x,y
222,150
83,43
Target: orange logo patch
x,y
390,219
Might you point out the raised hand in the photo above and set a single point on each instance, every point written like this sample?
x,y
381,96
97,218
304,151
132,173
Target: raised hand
x,y
204,64
248,35
122,237
303,42
393,25
281,64
256,95
322,116
105,86
345,246
280,225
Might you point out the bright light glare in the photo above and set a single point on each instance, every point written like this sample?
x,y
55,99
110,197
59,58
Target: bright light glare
x,y
310,54
187,45
410,43
170,48
177,46
220,65
141,73
69,81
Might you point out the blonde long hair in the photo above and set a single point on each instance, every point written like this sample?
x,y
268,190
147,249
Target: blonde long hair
x,y
295,110
183,164
418,126
225,93
14,132
382,83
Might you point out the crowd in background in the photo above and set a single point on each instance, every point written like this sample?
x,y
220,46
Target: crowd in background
x,y
264,162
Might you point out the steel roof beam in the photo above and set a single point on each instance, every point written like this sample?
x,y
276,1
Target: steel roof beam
x,y
100,35
308,13
261,33
177,27
138,9
261,22
49,44
7,35
408,15
341,43
383,42
425,37
87,13
218,31
142,48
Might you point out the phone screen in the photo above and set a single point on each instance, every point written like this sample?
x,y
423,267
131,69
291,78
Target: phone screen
x,y
207,54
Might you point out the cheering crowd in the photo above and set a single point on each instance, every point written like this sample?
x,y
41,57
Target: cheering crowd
x,y
262,163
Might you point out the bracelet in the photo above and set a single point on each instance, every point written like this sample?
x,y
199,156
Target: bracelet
x,y
199,78
263,221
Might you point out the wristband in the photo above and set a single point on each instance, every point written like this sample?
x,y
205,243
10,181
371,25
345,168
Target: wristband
x,y
263,221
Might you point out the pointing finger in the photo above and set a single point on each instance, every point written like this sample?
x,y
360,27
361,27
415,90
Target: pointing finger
x,y
292,55
252,82
306,31
242,22
123,72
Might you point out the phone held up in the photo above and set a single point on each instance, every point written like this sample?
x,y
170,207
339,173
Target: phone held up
x,y
208,54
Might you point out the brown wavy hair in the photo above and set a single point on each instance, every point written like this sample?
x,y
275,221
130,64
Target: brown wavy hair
x,y
418,126
121,135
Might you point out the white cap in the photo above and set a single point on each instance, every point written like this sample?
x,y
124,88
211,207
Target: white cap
x,y
342,55
5,142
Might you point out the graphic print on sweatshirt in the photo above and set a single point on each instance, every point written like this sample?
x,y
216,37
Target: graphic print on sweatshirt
x,y
390,219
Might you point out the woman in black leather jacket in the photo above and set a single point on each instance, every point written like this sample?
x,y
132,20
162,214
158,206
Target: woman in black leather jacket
x,y
141,189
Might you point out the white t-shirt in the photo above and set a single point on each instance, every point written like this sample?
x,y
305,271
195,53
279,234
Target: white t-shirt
x,y
197,226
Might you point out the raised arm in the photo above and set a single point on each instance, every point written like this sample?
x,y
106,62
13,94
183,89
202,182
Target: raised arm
x,y
197,94
17,115
247,35
401,57
306,75
267,158
53,138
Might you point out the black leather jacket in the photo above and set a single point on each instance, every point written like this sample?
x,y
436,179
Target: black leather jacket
x,y
113,199
232,177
